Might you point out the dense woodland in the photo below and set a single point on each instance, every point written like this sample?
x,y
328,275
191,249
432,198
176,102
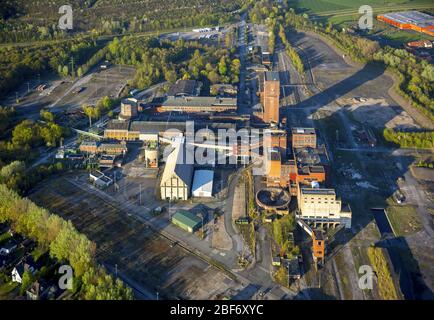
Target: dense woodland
x,y
64,243
64,57
37,20
166,60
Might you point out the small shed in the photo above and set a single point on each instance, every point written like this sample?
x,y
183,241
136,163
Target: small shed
x,y
186,220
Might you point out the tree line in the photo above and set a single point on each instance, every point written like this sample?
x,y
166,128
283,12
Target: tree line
x,y
421,140
292,53
38,20
64,243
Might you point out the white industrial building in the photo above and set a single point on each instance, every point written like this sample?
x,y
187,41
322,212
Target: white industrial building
x,y
203,183
176,180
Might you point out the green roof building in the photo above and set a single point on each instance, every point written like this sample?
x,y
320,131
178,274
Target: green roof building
x,y
186,220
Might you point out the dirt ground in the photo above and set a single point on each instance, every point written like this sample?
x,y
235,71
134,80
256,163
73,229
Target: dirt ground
x,y
220,238
378,113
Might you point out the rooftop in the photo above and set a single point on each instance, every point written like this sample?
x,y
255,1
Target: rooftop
x,y
271,76
199,102
117,125
183,88
311,156
411,17
203,181
303,130
188,218
318,191
176,164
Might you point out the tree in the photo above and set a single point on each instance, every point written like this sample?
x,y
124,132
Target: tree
x,y
170,76
222,66
79,72
47,115
51,133
25,134
105,104
26,281
213,77
12,173
92,112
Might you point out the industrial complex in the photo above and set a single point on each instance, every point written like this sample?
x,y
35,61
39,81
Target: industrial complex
x,y
248,161
410,20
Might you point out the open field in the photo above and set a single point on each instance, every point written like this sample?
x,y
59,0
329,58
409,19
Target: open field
x,y
143,258
340,7
404,219
345,14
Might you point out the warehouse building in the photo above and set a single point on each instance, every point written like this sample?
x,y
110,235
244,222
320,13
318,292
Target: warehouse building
x,y
96,147
269,87
184,88
196,105
203,183
187,221
410,20
177,175
152,130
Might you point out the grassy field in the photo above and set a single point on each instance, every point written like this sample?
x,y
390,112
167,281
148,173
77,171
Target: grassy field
x,y
342,7
404,219
345,13
386,287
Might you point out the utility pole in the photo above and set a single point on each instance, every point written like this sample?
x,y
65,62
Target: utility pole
x,y
140,196
28,87
116,270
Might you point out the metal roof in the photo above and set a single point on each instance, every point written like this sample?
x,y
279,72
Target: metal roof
x,y
203,181
187,218
411,17
183,87
199,102
176,165
316,191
